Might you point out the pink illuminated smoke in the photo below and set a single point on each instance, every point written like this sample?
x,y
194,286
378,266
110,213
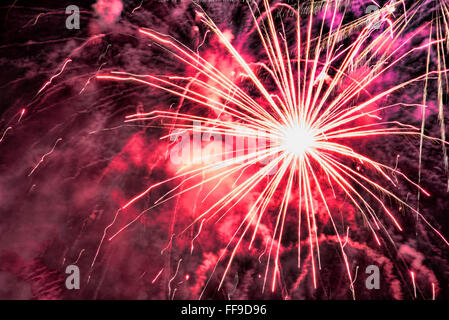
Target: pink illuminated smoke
x,y
108,10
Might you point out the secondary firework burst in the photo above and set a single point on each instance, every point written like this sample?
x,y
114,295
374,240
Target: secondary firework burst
x,y
307,107
439,29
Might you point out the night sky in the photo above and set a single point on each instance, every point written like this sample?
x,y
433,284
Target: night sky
x,y
68,162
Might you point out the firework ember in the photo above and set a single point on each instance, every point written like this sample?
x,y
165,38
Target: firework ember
x,y
227,150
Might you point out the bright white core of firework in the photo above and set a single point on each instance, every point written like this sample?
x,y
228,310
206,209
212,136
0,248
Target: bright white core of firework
x,y
297,139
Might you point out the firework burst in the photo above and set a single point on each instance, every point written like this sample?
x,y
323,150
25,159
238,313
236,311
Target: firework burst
x,y
306,117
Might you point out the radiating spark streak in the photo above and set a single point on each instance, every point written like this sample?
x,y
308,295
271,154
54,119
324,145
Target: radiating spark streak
x,y
213,189
166,247
281,231
202,42
423,123
44,156
37,18
173,295
138,7
79,256
412,274
91,77
54,76
433,291
346,238
102,240
355,276
157,276
174,276
104,53
21,115
441,64
196,236
265,250
4,133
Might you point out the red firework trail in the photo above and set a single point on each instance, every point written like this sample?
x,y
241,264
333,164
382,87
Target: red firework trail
x,y
304,115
